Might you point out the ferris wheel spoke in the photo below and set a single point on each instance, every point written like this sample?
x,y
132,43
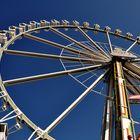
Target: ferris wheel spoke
x,y
72,40
74,104
93,43
135,60
57,45
131,83
76,65
132,46
135,76
105,47
87,56
50,56
133,67
50,75
109,42
130,88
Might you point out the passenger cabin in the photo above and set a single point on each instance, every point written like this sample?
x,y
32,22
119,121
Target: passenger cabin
x,y
3,131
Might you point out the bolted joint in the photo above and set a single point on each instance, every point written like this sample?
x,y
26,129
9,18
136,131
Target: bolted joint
x,y
42,135
47,137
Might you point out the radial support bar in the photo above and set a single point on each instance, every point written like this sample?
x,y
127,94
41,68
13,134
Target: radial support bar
x,y
71,39
87,49
109,41
60,46
130,88
135,76
133,67
132,83
135,60
57,45
93,43
75,103
49,56
132,46
108,114
124,125
49,75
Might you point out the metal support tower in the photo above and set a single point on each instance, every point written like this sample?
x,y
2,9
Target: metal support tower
x,y
123,121
108,114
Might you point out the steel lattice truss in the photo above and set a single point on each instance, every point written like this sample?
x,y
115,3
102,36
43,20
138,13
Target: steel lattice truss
x,y
99,62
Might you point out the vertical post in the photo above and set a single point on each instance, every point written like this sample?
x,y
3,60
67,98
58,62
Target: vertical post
x,y
108,114
123,121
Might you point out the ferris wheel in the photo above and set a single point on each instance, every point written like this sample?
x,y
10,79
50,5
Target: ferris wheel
x,y
92,57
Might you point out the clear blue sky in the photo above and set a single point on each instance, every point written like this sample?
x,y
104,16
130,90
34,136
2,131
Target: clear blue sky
x,y
43,104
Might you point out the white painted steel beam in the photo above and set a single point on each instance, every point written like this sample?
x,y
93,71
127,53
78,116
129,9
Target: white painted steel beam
x,y
93,43
135,60
132,46
75,103
132,83
50,56
133,67
60,46
137,77
49,75
72,40
109,42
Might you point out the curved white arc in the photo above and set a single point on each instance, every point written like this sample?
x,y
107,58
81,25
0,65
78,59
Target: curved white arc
x,y
29,123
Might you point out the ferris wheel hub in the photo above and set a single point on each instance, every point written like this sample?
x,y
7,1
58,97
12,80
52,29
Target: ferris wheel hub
x,y
119,52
